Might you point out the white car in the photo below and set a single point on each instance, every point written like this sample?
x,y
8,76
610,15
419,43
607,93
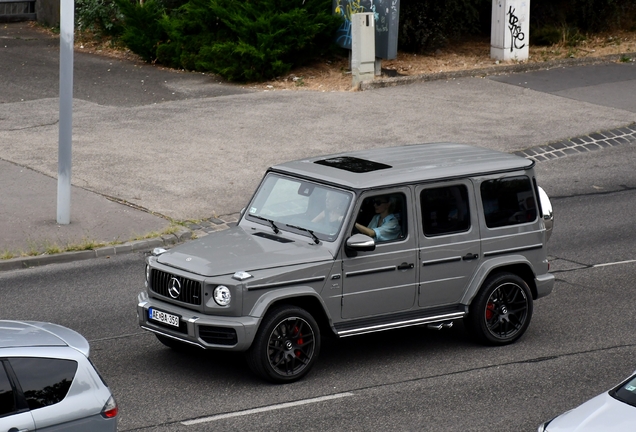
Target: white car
x,y
47,381
612,411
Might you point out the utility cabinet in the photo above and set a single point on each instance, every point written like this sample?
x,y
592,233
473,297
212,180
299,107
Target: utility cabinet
x,y
386,14
362,47
510,31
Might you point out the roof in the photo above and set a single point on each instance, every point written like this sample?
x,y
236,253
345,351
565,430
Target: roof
x,y
20,334
407,164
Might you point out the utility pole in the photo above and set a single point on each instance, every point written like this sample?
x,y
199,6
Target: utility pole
x,y
64,158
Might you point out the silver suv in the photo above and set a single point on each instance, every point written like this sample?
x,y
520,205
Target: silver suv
x,y
355,243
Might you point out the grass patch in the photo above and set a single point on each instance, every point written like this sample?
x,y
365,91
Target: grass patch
x,y
6,255
85,245
88,244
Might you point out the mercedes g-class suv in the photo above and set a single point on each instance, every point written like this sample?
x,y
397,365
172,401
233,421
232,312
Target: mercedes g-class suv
x,y
355,243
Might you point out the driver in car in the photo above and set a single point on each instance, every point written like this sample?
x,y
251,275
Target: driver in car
x,y
384,225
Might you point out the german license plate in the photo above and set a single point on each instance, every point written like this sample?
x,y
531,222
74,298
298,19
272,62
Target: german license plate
x,y
163,317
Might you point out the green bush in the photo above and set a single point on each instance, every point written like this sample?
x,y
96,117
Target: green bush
x,y
142,30
241,40
101,17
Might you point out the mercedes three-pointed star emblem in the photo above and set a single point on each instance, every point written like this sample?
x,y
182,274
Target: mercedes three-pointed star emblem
x,y
174,288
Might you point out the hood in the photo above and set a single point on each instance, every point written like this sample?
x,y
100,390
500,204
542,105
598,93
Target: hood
x,y
226,252
602,413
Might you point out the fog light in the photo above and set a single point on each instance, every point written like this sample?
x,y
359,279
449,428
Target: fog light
x,y
222,295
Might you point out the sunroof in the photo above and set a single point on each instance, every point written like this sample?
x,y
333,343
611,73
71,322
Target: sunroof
x,y
353,164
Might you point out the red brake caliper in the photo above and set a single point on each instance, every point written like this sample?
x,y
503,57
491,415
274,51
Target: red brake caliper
x,y
490,311
300,340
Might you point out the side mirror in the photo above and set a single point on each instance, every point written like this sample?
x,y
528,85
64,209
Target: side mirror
x,y
242,211
359,243
547,215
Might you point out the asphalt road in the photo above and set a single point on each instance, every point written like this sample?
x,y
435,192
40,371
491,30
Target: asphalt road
x,y
611,84
580,342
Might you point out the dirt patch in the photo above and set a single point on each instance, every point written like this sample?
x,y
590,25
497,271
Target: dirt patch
x,y
474,54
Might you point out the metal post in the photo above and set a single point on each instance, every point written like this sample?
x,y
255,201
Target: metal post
x,y
64,162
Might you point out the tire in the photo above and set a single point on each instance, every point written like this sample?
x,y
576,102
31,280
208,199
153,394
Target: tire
x,y
286,345
501,311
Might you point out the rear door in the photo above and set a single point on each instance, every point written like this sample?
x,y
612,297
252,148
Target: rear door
x,y
14,413
449,241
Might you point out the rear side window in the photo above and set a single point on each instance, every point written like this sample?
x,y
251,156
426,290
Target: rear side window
x,y
7,398
508,201
445,210
44,381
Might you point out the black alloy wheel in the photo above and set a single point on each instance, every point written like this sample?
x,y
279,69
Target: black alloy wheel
x,y
286,345
501,312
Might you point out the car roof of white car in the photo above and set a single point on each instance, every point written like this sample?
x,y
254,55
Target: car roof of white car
x,y
404,165
21,334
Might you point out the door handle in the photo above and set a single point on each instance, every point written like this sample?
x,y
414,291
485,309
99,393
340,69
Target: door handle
x,y
406,266
470,256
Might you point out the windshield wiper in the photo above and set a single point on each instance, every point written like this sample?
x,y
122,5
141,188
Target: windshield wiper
x,y
274,227
316,239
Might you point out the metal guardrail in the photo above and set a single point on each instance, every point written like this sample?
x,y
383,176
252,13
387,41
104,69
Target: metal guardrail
x,y
17,10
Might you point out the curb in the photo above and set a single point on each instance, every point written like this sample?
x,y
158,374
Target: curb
x,y
106,251
491,70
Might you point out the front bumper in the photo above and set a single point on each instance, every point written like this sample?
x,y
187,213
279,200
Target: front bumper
x,y
204,331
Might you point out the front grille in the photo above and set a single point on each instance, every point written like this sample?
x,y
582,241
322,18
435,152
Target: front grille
x,y
189,290
218,335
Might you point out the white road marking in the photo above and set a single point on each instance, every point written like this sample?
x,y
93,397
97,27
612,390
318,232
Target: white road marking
x,y
265,409
614,263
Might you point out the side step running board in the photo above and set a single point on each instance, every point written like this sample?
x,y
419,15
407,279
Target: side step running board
x,y
442,320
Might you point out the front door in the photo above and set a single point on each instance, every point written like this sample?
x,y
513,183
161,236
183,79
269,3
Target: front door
x,y
384,280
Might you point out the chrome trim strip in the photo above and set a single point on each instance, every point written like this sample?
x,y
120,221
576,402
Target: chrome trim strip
x,y
441,280
172,337
441,261
400,324
371,271
518,249
286,283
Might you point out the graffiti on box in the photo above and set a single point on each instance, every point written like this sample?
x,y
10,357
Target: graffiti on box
x,y
516,34
386,14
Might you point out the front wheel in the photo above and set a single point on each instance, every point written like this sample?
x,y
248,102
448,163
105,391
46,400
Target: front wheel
x,y
286,345
501,312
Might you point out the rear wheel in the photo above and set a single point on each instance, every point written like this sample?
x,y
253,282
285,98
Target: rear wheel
x,y
501,312
286,345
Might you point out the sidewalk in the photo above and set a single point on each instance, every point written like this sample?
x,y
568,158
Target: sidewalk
x,y
180,146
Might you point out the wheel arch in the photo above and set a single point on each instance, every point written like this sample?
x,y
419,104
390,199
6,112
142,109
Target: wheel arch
x,y
517,264
303,297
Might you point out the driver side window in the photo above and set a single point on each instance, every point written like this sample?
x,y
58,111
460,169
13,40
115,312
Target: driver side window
x,y
382,217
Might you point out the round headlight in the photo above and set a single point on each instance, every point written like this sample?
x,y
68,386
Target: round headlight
x,y
222,295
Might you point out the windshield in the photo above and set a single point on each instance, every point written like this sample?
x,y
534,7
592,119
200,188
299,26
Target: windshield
x,y
626,392
299,205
